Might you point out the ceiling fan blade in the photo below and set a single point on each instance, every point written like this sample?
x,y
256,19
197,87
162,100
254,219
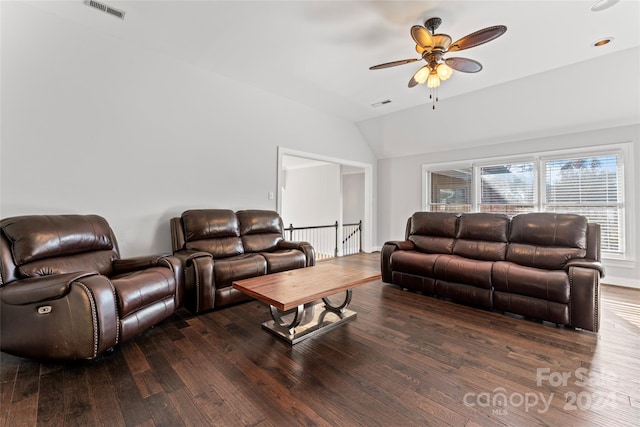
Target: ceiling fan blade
x,y
393,64
464,65
479,37
420,76
422,37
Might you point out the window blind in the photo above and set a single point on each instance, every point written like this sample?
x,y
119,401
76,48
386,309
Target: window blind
x,y
508,188
451,190
590,186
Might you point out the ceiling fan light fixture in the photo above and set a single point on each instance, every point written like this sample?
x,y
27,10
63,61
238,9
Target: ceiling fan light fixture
x,y
444,71
422,74
433,80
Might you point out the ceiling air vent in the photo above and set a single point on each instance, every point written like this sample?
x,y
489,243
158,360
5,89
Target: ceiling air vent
x,y
378,104
106,9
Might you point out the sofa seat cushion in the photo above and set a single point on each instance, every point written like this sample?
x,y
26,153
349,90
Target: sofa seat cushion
x,y
549,285
413,262
140,289
457,269
284,259
226,270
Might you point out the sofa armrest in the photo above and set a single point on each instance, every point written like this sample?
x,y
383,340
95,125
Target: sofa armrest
x,y
586,263
39,289
584,302
187,256
403,245
127,265
175,264
59,317
304,247
199,280
385,256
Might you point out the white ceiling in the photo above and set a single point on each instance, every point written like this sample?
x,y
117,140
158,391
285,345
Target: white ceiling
x,y
319,52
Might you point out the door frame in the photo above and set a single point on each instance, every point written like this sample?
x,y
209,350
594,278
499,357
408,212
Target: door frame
x,y
367,229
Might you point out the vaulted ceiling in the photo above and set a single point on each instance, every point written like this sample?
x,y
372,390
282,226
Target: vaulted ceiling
x,y
319,52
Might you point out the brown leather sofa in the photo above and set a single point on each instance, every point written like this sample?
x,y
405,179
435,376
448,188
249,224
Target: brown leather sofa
x,y
65,293
543,266
218,246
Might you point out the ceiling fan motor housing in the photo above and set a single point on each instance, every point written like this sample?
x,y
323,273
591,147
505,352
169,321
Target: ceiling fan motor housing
x,y
432,24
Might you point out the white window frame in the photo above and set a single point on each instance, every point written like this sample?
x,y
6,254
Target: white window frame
x,y
623,150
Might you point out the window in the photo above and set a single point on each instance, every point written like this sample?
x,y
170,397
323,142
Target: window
x,y
451,190
507,188
590,186
589,183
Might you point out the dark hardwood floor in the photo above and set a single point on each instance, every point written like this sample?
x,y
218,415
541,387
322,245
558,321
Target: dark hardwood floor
x,y
406,360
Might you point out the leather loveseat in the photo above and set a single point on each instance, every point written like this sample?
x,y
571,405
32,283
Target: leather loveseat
x,y
66,294
543,266
218,246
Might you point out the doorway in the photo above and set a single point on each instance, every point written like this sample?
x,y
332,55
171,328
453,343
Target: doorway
x,y
315,190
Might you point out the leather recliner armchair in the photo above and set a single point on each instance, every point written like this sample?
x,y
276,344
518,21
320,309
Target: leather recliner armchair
x,y
65,294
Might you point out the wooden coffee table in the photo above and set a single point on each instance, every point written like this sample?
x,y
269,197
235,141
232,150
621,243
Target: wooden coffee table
x,y
292,297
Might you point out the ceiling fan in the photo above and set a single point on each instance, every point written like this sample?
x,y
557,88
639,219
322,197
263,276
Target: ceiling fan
x,y
433,47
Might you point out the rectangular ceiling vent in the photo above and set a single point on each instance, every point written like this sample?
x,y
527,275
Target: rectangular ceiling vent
x,y
381,103
106,9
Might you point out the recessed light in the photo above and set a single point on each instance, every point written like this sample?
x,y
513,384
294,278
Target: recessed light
x,y
602,42
378,104
602,5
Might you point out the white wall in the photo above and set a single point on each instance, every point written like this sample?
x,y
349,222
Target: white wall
x,y
311,196
91,124
352,197
400,185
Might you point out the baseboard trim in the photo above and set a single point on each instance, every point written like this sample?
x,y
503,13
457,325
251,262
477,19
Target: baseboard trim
x,y
621,281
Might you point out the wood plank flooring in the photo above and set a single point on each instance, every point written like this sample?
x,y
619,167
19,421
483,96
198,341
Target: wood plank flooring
x,y
407,360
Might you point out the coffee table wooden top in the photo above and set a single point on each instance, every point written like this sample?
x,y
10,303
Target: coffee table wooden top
x,y
289,289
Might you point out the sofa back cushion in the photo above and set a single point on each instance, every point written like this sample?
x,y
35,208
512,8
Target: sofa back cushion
x,y
261,230
56,244
547,240
433,232
216,231
482,236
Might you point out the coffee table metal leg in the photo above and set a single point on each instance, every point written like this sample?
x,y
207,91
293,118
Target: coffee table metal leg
x,y
338,308
291,326
304,322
